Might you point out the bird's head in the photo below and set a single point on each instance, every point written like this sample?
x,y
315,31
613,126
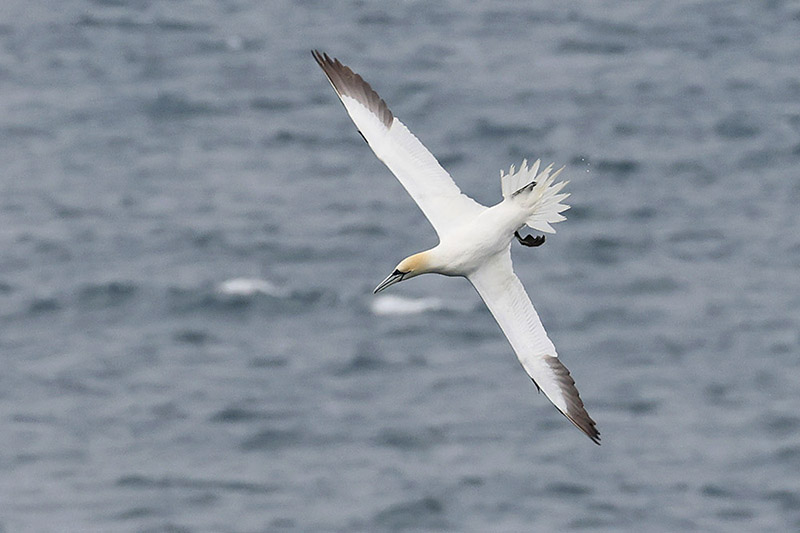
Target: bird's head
x,y
407,268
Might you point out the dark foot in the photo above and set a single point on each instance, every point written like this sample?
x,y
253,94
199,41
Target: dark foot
x,y
529,240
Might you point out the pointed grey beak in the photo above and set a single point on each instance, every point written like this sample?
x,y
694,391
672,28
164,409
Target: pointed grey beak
x,y
393,278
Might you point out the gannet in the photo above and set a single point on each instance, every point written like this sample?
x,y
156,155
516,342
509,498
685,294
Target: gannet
x,y
474,240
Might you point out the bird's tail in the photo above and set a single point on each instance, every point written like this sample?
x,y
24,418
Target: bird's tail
x,y
536,193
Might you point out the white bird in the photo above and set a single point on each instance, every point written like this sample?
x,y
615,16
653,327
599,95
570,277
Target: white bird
x,y
474,240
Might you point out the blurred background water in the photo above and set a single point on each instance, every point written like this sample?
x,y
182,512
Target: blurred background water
x,y
190,230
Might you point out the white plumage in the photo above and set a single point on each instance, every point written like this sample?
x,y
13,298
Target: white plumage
x,y
538,192
474,240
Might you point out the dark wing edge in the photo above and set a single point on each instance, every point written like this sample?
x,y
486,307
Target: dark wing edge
x,y
575,413
348,83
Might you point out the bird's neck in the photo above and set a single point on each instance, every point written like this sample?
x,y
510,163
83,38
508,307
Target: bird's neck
x,y
437,260
419,263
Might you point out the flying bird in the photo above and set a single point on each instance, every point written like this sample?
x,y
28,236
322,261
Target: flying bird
x,y
474,240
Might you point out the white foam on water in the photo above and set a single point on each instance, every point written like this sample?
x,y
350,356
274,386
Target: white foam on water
x,y
250,287
389,304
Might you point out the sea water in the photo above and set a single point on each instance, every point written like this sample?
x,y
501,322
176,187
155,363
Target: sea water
x,y
191,229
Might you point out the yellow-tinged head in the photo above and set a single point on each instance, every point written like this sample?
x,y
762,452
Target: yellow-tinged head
x,y
409,267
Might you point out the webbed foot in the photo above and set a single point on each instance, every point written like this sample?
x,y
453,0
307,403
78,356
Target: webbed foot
x,y
529,240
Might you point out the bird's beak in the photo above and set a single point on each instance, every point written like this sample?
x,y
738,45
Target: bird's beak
x,y
393,278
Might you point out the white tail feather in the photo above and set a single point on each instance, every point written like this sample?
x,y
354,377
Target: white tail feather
x,y
536,193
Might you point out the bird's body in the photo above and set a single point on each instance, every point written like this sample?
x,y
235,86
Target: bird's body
x,y
474,240
464,248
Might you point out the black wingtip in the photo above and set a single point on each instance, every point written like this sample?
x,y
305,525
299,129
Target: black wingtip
x,y
347,83
319,56
575,411
586,425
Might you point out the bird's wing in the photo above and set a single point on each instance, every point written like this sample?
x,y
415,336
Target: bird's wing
x,y
508,302
423,177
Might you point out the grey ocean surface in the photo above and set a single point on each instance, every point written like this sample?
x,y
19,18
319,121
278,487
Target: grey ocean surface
x,y
191,229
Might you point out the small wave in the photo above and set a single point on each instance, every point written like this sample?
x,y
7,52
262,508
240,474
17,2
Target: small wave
x,y
425,513
240,294
195,337
131,24
107,294
266,103
737,126
578,46
617,167
397,305
170,105
245,287
44,304
409,439
272,440
238,414
362,362
137,481
569,489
